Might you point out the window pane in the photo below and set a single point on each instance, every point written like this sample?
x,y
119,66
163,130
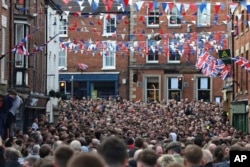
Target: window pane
x,y
19,49
204,94
175,16
152,89
109,52
19,78
62,58
174,94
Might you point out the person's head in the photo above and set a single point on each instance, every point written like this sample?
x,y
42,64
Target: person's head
x,y
11,154
211,147
218,154
114,151
147,157
12,93
207,156
76,145
139,142
198,140
62,155
56,144
35,150
236,147
86,160
45,150
29,162
192,156
165,159
173,148
158,150
175,164
45,162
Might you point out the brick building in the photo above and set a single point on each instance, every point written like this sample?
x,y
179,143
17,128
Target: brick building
x,y
238,94
22,26
23,45
156,49
93,65
5,42
179,30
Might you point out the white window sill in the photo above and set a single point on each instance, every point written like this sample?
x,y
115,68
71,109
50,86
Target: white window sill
x,y
62,68
173,61
108,68
151,62
153,25
174,25
108,34
203,25
63,35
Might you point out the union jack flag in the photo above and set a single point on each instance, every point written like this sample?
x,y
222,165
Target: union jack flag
x,y
239,60
225,73
20,49
246,64
201,60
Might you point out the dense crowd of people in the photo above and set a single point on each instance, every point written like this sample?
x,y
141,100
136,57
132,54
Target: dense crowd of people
x,y
121,133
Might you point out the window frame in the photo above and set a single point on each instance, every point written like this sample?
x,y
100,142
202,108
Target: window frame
x,y
105,25
25,29
170,45
200,89
154,54
111,55
153,80
155,15
174,13
205,13
63,28
62,65
173,90
3,52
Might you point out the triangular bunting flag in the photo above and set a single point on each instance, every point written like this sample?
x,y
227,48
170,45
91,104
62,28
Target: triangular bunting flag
x,y
139,5
164,6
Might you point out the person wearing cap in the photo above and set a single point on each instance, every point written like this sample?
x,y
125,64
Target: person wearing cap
x,y
174,149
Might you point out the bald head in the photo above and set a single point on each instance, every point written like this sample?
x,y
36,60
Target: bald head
x,y
207,156
211,147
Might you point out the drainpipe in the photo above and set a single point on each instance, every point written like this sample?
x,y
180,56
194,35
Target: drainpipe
x,y
233,66
46,53
11,62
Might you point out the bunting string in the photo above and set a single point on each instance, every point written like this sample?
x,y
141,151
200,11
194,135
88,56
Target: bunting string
x,y
20,47
40,48
138,5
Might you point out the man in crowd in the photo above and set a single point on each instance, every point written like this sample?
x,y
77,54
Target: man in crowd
x,y
11,115
114,152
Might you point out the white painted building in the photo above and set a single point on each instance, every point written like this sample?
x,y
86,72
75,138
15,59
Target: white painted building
x,y
56,27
